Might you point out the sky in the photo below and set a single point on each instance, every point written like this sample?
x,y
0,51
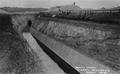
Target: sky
x,y
51,3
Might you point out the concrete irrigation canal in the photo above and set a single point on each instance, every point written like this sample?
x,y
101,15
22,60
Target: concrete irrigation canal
x,y
41,45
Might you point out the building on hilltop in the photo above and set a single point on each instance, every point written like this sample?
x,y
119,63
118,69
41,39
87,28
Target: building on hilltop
x,y
65,8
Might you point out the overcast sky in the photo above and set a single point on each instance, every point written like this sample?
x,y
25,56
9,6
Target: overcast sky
x,y
51,3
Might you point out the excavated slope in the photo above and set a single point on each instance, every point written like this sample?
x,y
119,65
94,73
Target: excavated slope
x,y
100,42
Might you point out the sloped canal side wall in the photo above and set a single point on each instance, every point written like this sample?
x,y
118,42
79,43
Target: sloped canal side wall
x,y
81,44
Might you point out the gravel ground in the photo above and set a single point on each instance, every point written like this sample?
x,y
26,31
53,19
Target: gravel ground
x,y
15,57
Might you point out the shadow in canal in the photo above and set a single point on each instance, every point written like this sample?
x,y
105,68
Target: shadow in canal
x,y
62,64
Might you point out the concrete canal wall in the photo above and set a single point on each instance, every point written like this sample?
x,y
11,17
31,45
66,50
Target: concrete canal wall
x,y
81,44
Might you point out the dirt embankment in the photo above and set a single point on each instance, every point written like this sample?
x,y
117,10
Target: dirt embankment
x,y
15,54
20,21
97,41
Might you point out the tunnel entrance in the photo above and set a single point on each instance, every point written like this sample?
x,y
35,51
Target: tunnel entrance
x,y
29,23
27,27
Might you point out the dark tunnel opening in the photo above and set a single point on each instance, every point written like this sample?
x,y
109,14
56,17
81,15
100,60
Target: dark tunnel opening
x,y
27,27
29,23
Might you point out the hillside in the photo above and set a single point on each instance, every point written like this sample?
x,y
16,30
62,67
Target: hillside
x,y
2,11
17,9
